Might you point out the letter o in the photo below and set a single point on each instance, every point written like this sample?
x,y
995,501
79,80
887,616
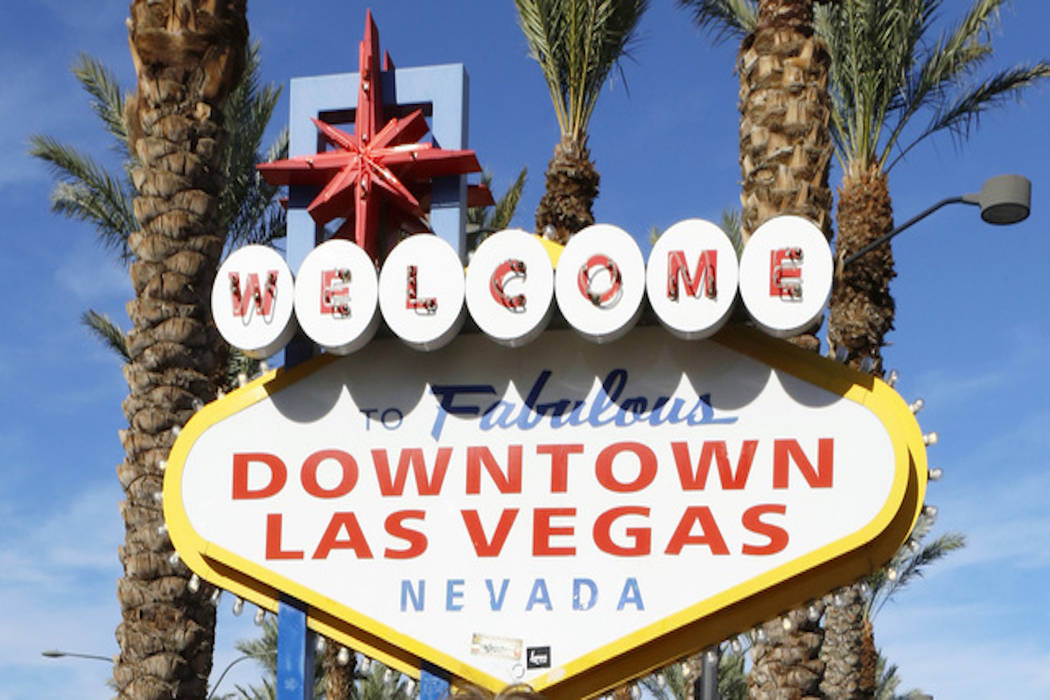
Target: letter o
x,y
309,474
646,467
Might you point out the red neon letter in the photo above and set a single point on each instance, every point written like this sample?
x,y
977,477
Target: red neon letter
x,y
646,467
706,269
778,536
504,272
559,464
273,540
820,478
252,296
709,532
785,273
309,474
334,284
542,531
715,449
642,536
426,484
427,305
595,264
278,474
482,546
417,541
330,539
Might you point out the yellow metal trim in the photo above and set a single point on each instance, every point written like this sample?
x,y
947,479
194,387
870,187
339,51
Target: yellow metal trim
x,y
689,630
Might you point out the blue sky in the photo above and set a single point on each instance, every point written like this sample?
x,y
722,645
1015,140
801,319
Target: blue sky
x,y
971,330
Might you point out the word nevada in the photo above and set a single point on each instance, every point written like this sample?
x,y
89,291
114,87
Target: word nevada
x,y
692,281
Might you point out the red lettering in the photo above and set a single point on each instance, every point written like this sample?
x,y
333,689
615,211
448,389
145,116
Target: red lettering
x,y
309,474
641,536
709,532
778,536
507,270
252,296
335,283
426,484
355,540
716,449
559,464
278,474
485,547
819,478
646,467
785,273
417,541
542,531
590,270
706,269
273,540
509,482
427,305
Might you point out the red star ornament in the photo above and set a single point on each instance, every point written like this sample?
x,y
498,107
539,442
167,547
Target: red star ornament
x,y
363,171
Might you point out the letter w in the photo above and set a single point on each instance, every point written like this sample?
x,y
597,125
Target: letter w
x,y
242,298
697,480
426,484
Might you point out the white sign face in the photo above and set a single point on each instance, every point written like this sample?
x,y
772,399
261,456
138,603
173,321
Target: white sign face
x,y
600,282
525,514
421,292
252,301
785,275
691,279
337,296
510,287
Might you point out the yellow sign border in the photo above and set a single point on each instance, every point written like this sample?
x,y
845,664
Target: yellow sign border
x,y
700,625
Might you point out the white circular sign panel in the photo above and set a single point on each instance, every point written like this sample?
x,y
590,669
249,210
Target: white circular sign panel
x,y
510,287
600,282
252,301
421,292
691,279
337,296
785,275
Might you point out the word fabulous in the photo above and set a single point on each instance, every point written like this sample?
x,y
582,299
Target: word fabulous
x,y
692,280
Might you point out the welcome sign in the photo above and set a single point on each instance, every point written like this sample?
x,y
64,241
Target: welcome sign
x,y
563,513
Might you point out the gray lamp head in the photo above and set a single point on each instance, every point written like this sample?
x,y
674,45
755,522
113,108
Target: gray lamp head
x,y
1004,199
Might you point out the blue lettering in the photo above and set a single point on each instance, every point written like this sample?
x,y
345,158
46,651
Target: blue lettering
x,y
631,407
539,594
454,594
448,392
530,402
654,415
577,589
490,420
496,603
574,418
415,594
707,413
631,594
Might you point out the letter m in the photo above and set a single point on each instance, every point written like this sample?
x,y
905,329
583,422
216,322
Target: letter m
x,y
785,451
705,272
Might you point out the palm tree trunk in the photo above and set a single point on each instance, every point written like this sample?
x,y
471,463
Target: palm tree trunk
x,y
862,309
338,678
187,55
785,147
842,651
787,664
572,186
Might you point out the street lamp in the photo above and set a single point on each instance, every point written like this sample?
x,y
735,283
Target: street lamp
x,y
56,654
1004,199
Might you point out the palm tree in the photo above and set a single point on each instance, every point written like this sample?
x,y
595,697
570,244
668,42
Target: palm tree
x,y
188,58
886,71
485,220
785,147
577,43
785,155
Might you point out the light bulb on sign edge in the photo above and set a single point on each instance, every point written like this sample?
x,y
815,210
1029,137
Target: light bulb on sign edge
x,y
930,438
194,584
711,656
264,366
636,692
388,676
260,617
916,405
197,404
841,354
242,378
343,656
736,646
216,597
661,680
866,365
686,668
162,464
238,607
158,496
173,558
410,687
934,474
162,529
175,430
893,377
838,599
891,574
913,545
864,588
787,623
813,612
761,636
366,663
320,645
930,512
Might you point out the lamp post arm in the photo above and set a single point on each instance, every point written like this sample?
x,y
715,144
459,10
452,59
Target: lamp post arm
x,y
967,199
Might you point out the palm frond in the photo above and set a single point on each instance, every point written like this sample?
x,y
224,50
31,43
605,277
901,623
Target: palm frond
x,y
725,19
86,192
106,331
577,43
504,210
107,100
732,225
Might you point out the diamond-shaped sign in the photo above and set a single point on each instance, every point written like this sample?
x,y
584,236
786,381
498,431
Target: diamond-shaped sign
x,y
563,514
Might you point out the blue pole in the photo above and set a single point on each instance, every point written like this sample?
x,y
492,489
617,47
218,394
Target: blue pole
x,y
433,683
295,654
